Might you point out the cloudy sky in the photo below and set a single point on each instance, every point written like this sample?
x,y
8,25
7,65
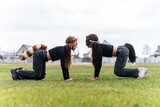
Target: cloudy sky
x,y
51,21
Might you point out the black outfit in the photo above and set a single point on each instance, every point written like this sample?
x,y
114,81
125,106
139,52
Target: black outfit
x,y
59,53
39,64
122,55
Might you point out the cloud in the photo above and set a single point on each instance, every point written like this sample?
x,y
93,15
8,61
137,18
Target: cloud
x,y
50,21
40,14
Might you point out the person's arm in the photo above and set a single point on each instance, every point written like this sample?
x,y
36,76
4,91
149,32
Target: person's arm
x,y
64,69
98,64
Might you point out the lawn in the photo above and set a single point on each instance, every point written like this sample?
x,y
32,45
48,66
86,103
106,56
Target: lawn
x,y
108,91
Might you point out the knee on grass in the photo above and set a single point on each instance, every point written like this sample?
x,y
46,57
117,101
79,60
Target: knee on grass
x,y
118,73
39,77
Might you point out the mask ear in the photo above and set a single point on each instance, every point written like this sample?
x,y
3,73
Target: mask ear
x,y
88,42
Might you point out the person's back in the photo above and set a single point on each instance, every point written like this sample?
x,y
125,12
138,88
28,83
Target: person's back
x,y
57,53
105,49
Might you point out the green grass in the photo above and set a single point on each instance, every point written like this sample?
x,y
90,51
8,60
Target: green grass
x,y
108,91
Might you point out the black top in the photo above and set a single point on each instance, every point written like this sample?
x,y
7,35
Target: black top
x,y
59,53
102,50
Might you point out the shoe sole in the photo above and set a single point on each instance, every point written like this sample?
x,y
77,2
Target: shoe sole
x,y
14,74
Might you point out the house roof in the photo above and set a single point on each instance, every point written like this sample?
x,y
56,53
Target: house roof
x,y
25,46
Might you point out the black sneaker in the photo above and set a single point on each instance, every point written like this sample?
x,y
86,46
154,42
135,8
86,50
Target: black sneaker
x,y
14,74
17,69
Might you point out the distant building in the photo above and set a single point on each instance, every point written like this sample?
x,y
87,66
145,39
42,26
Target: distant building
x,y
10,57
157,52
86,57
21,51
106,42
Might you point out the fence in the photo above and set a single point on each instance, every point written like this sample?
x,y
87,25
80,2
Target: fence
x,y
88,60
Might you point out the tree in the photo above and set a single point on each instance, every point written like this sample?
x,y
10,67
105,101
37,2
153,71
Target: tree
x,y
146,49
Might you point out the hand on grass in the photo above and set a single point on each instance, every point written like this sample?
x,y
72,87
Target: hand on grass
x,y
70,79
92,78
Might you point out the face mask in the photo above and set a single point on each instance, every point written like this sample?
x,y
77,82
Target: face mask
x,y
88,42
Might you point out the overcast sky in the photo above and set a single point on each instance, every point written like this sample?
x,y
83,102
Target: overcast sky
x,y
51,21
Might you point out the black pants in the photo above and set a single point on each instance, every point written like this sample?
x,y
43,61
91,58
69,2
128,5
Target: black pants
x,y
119,70
39,66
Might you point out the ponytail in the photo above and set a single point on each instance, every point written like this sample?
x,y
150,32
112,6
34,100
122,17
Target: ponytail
x,y
68,61
132,54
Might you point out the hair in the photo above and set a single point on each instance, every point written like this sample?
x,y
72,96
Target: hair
x,y
68,61
132,54
93,37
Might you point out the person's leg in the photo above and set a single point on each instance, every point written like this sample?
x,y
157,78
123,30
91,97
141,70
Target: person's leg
x,y
119,70
26,74
39,59
43,71
40,68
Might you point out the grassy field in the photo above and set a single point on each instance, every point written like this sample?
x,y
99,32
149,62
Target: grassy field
x,y
108,91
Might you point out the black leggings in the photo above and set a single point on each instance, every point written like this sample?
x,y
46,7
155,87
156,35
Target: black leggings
x,y
39,66
119,70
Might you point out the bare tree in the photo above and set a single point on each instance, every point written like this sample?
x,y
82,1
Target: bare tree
x,y
146,49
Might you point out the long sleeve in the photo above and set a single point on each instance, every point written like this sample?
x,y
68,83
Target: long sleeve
x,y
98,63
58,53
64,69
